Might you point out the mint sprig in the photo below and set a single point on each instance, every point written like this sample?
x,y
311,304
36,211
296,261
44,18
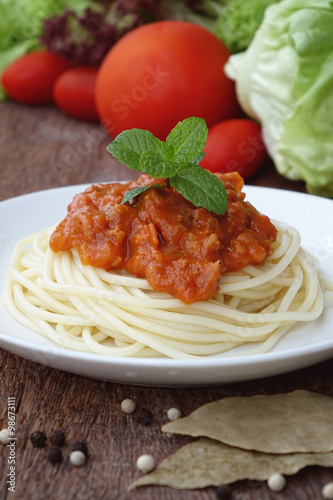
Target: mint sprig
x,y
132,193
177,160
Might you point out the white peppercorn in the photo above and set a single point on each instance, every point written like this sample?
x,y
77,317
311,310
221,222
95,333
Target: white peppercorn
x,y
327,491
128,406
173,413
77,458
145,463
5,436
276,482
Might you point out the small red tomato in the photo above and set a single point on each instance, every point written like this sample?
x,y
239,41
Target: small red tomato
x,y
234,145
30,78
74,92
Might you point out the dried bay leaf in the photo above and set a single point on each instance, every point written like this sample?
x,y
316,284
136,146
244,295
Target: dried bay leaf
x,y
210,463
299,421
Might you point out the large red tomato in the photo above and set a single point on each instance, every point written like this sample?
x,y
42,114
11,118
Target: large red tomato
x,y
30,78
234,145
161,73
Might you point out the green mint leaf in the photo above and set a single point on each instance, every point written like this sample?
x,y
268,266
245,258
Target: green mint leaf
x,y
183,162
167,151
129,146
176,160
201,188
155,165
180,161
132,193
188,139
198,159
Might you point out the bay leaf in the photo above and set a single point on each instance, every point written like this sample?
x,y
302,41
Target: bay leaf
x,y
207,462
299,421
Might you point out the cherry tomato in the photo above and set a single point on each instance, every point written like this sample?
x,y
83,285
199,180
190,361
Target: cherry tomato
x,y
161,73
30,78
74,92
234,145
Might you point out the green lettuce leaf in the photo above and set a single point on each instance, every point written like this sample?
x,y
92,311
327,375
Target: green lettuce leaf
x,y
237,24
285,80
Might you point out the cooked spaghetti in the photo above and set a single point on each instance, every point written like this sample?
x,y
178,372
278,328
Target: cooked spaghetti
x,y
89,309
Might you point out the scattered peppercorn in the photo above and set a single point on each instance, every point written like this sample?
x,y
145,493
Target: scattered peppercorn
x,y
128,406
327,491
173,413
276,482
77,458
223,492
80,446
5,436
57,437
38,439
144,416
54,454
145,463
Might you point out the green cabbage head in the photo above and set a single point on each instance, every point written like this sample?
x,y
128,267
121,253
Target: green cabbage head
x,y
285,81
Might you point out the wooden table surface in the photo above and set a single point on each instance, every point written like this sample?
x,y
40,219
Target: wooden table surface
x,y
41,148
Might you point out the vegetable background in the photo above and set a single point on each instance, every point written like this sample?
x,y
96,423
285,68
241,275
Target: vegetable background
x,y
21,25
84,30
282,62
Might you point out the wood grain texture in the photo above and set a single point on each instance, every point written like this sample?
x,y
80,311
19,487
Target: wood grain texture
x,y
41,148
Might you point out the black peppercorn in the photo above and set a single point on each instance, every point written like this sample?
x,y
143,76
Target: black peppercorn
x,y
38,439
57,437
144,416
80,446
54,454
223,492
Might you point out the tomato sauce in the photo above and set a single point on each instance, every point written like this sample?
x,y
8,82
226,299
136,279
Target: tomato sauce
x,y
179,248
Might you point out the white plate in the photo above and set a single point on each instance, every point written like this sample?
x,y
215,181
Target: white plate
x,y
303,346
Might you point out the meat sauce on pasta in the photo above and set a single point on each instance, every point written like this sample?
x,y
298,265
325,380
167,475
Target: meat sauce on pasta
x,y
179,248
